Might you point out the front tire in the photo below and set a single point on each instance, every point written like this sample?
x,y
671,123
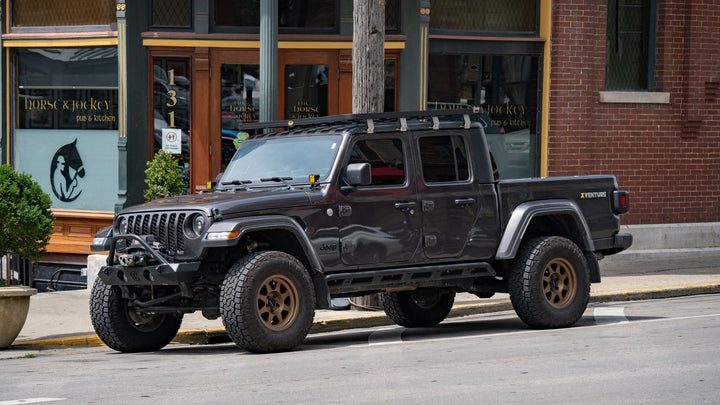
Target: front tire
x,y
267,302
123,329
419,308
549,282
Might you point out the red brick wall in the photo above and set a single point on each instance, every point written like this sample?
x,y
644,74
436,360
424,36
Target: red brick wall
x,y
666,155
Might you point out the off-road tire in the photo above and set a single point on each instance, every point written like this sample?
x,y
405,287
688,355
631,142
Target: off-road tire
x,y
549,282
419,308
267,302
125,330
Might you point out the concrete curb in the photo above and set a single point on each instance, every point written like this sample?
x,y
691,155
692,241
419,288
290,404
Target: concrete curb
x,y
373,319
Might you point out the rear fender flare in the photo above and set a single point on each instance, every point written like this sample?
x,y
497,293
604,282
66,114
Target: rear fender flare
x,y
524,214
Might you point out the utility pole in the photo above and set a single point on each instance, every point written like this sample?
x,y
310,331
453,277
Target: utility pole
x,y
368,79
368,56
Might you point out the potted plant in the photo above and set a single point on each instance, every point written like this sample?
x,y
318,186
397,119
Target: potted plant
x,y
26,223
162,177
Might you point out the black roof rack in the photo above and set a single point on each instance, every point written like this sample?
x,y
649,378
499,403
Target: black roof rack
x,y
370,119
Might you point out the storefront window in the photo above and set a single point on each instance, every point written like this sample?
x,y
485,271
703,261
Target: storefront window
x,y
306,91
506,87
310,14
171,101
66,124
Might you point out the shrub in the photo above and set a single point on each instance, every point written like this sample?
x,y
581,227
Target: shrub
x,y
162,177
26,221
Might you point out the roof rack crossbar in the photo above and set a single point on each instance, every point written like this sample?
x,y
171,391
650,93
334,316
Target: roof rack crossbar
x,y
356,118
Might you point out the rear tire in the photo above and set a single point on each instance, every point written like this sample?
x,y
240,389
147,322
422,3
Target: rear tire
x,y
267,302
123,329
549,282
423,307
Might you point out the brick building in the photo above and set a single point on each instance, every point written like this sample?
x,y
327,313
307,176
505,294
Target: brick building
x,y
661,136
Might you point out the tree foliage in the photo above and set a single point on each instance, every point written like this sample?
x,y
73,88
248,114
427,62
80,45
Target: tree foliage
x,y
162,177
26,221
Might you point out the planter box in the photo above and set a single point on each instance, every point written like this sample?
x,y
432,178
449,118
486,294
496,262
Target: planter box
x,y
14,305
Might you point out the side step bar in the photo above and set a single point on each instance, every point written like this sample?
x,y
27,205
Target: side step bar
x,y
446,275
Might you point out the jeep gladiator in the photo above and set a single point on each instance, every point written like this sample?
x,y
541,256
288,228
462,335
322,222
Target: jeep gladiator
x,y
403,204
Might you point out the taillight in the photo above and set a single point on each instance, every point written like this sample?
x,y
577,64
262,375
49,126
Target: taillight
x,y
621,202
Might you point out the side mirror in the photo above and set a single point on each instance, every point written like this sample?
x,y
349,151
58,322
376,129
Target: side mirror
x,y
358,174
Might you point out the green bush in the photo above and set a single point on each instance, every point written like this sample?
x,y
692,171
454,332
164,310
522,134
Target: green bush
x,y
26,221
162,177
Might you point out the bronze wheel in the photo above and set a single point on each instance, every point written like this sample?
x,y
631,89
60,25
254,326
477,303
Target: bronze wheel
x,y
549,282
267,302
277,303
559,283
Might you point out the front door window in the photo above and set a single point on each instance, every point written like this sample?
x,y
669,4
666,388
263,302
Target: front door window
x,y
171,111
240,92
306,91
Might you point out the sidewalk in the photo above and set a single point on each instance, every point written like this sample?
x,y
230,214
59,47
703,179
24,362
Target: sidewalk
x,y
62,318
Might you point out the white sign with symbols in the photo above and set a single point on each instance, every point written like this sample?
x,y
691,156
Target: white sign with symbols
x,y
172,140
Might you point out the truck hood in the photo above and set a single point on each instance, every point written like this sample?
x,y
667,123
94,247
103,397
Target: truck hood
x,y
229,203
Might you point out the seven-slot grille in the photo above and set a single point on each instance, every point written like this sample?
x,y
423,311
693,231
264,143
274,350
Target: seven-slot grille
x,y
166,228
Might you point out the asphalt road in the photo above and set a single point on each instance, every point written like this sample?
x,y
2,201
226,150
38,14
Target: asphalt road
x,y
655,352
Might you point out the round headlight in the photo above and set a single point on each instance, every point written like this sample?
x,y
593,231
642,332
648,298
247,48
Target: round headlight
x,y
198,225
123,226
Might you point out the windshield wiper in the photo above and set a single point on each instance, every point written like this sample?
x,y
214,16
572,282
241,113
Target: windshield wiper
x,y
279,180
240,183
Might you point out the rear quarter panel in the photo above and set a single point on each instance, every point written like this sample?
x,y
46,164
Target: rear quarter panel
x,y
592,194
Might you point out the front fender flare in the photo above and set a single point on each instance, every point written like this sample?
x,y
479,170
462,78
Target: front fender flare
x,y
239,227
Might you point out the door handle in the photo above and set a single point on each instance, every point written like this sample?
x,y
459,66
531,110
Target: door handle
x,y
404,206
464,201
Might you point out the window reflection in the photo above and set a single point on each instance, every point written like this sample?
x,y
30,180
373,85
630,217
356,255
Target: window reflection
x,y
506,89
306,91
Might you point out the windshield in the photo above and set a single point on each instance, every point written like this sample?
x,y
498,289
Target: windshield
x,y
280,159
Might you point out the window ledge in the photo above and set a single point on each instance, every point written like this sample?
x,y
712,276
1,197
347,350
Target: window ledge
x,y
636,97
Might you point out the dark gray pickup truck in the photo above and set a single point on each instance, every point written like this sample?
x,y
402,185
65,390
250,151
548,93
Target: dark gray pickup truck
x,y
404,204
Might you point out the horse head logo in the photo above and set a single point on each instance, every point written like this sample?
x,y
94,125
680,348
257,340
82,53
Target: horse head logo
x,y
65,169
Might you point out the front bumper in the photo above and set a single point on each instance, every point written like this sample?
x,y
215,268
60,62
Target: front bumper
x,y
162,274
158,272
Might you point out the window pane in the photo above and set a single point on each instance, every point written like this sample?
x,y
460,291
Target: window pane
x,y
390,85
386,160
43,13
444,159
484,15
392,15
306,91
291,14
171,13
627,46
